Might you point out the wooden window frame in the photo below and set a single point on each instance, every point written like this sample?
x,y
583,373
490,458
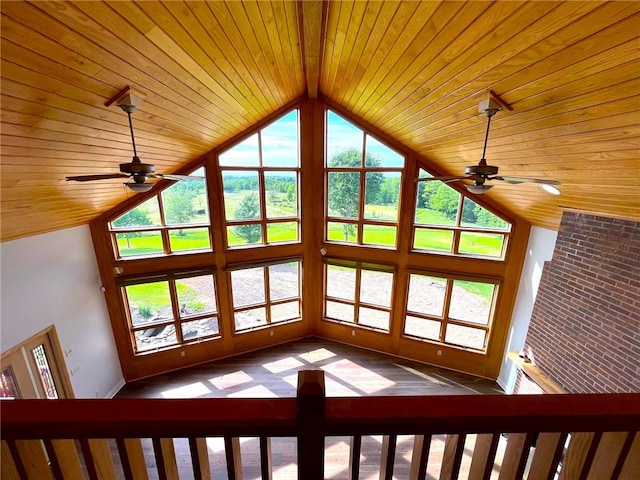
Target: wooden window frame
x,y
357,303
268,302
360,222
178,320
446,320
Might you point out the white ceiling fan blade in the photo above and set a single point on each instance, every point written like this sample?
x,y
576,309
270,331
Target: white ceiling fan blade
x,y
175,177
515,180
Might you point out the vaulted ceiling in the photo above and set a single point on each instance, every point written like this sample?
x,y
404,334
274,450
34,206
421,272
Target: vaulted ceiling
x,y
413,70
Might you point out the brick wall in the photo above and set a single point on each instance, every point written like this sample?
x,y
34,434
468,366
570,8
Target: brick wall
x,y
585,325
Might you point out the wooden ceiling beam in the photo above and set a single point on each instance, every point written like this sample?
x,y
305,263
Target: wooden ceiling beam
x,y
312,17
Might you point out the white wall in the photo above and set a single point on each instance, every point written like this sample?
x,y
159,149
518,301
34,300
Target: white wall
x,y
53,279
539,250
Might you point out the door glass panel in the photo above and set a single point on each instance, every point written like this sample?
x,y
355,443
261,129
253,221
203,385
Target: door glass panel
x,y
44,372
8,387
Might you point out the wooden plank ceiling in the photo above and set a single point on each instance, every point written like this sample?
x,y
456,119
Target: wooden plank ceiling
x,y
414,70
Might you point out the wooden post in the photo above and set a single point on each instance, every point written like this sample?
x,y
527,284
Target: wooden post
x,y
311,400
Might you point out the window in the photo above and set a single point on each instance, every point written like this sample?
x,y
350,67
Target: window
x,y
449,222
260,179
450,311
363,178
358,295
266,294
181,225
171,309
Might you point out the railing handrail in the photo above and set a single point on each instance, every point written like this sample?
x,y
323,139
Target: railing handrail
x,y
88,418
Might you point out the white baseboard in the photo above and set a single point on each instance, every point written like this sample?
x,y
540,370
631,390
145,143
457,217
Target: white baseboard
x,y
115,389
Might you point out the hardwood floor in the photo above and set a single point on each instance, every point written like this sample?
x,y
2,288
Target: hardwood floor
x,y
272,372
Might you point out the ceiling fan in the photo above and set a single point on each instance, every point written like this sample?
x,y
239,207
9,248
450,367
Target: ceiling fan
x,y
482,173
135,170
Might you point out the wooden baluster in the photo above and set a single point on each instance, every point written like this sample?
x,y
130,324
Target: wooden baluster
x,y
132,458
387,457
484,452
34,459
452,456
9,468
234,458
549,448
355,446
515,456
606,456
576,455
165,458
266,467
632,463
64,457
311,400
419,457
200,458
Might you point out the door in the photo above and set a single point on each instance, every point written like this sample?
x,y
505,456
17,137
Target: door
x,y
35,369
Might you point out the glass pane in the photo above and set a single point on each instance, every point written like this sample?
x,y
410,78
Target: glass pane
x,y
341,282
465,336
280,142
8,386
422,328
285,311
250,318
144,215
488,244
371,317
196,295
340,311
149,302
199,328
342,232
249,234
284,281
382,193
375,287
248,286
437,204
473,215
378,154
281,189
245,154
344,194
241,196
428,239
44,371
471,301
139,243
189,239
156,337
342,136
379,235
426,295
185,203
282,232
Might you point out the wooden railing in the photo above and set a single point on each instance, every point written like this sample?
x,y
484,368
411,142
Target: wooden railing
x,y
507,437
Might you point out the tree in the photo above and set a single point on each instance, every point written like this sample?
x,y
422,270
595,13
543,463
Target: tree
x,y
133,218
445,200
178,206
249,208
344,187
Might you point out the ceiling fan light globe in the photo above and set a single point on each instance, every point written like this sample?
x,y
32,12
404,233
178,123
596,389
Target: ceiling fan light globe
x,y
550,189
478,189
140,187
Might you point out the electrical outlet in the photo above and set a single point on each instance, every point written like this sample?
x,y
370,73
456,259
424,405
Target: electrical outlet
x,y
75,370
353,333
68,352
271,333
182,353
439,352
97,393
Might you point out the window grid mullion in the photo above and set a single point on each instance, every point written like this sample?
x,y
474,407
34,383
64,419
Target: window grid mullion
x,y
267,295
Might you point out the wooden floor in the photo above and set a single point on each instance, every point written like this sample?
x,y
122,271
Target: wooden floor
x,y
272,372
